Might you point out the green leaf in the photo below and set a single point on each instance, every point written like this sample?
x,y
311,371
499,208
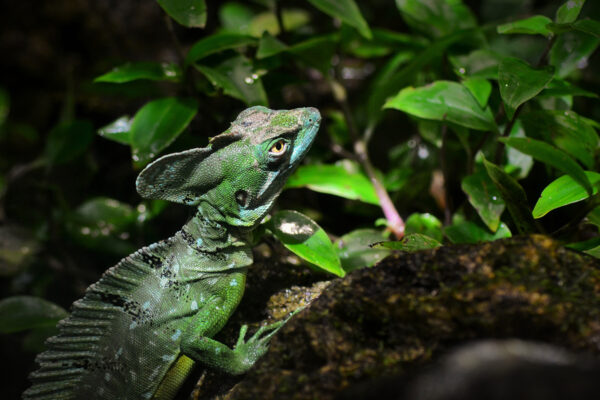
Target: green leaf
x,y
392,79
480,89
157,124
306,239
316,52
584,245
355,251
68,140
103,224
18,248
237,78
519,82
514,197
153,71
588,26
346,181
536,25
469,232
564,191
436,18
518,161
480,63
594,252
425,224
552,156
484,197
560,87
444,101
569,11
235,17
571,52
189,13
267,22
411,242
216,43
118,130
346,11
19,313
566,130
269,46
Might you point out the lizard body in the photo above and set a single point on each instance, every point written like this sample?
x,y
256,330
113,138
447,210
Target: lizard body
x,y
138,331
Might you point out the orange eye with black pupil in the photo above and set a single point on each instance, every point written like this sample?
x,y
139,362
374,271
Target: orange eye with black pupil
x,y
278,148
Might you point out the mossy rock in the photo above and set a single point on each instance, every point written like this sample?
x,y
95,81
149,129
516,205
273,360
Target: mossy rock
x,y
394,318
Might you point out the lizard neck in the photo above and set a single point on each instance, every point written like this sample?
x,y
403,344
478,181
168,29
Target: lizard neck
x,y
207,231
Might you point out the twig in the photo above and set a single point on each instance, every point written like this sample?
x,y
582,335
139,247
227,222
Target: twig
x,y
446,174
395,222
279,17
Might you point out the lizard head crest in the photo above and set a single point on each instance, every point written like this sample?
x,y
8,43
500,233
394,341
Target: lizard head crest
x,y
242,171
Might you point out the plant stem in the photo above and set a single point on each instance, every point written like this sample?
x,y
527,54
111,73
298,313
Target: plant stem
x,y
446,175
395,221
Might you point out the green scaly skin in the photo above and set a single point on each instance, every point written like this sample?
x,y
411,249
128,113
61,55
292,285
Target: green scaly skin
x,y
138,331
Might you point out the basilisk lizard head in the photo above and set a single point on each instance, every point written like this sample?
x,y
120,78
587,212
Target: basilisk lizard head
x,y
242,171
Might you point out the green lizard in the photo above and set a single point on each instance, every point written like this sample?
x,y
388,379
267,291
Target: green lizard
x,y
138,331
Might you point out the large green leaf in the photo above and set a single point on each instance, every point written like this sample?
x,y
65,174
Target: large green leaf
x,y
344,180
68,140
514,197
444,101
552,156
306,239
153,71
566,130
237,78
519,82
571,52
436,17
19,313
118,130
484,197
564,191
157,124
536,25
569,11
189,13
216,43
346,11
355,251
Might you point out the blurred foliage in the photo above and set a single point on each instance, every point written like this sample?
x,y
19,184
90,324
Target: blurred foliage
x,y
470,122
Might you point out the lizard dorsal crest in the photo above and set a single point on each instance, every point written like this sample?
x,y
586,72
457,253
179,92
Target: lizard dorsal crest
x,y
178,177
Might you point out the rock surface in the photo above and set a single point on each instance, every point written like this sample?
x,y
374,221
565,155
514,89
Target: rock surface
x,y
385,324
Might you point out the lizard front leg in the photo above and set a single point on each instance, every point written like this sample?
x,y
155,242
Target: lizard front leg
x,y
201,348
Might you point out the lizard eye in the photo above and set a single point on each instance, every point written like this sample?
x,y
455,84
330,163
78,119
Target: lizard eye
x,y
278,148
241,197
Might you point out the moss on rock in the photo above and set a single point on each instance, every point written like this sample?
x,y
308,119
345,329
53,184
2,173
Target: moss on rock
x,y
410,308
